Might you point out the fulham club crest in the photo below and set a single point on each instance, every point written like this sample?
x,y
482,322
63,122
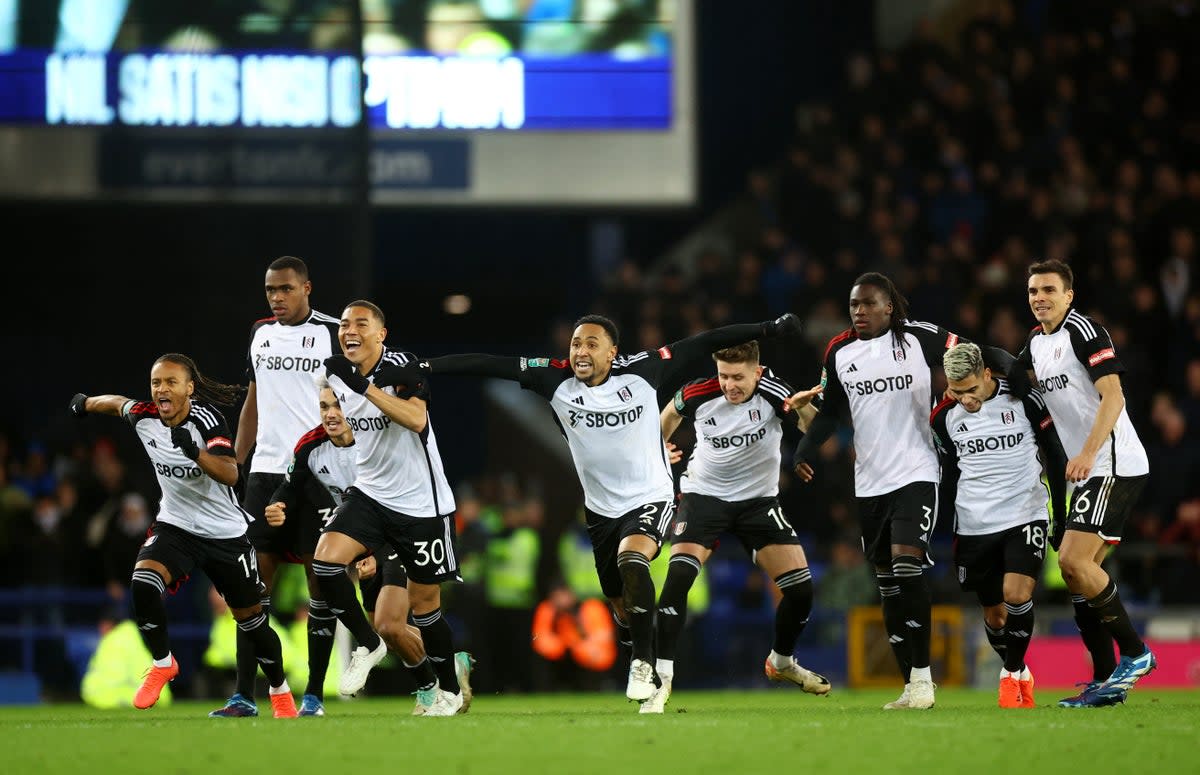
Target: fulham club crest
x,y
625,395
680,527
1008,417
308,341
898,353
755,415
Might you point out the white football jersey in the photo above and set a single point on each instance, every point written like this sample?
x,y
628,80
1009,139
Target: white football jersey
x,y
994,455
1066,364
883,387
320,470
334,467
281,362
612,429
191,499
737,445
396,468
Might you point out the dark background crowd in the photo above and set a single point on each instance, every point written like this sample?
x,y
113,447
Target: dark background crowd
x,y
996,134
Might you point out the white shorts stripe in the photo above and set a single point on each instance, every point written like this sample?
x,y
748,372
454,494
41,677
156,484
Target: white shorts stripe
x,y
1102,500
451,560
664,522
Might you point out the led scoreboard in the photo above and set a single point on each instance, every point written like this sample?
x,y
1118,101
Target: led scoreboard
x,y
501,110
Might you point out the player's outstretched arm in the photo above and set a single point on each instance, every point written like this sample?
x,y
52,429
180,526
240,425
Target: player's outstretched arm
x,y
801,403
475,365
82,405
710,341
684,354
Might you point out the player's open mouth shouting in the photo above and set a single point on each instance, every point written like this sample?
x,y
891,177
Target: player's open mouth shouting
x,y
167,399
334,423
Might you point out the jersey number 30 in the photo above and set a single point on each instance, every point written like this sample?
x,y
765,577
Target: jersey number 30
x,y
430,551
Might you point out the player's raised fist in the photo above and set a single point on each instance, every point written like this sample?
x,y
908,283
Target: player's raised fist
x,y
276,513
784,325
340,366
182,439
78,405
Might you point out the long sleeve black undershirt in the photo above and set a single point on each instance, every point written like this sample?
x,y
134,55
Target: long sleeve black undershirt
x,y
477,365
683,352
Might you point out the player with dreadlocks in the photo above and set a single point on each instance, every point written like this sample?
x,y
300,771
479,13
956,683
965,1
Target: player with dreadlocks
x,y
199,522
878,377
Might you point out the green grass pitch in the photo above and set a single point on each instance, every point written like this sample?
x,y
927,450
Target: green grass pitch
x,y
771,731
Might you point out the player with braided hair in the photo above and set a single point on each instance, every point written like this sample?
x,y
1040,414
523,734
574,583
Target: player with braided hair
x,y
199,523
878,377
